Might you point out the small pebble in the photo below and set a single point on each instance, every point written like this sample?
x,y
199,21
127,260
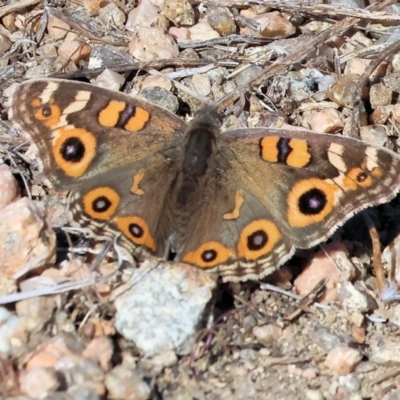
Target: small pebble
x,y
161,97
267,334
342,359
329,120
112,15
203,31
380,95
39,381
110,79
152,43
9,186
125,383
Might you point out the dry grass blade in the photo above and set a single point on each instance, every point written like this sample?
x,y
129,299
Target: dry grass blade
x,y
332,11
307,300
377,254
363,81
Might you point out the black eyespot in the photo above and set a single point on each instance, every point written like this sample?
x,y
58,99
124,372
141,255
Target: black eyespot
x,y
72,149
101,204
136,230
257,240
361,177
46,111
312,202
209,255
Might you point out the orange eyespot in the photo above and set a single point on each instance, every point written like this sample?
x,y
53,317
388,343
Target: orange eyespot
x,y
310,201
101,203
257,239
137,231
73,150
49,112
208,255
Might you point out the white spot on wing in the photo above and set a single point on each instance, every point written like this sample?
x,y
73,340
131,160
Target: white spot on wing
x,y
372,158
48,91
81,99
335,153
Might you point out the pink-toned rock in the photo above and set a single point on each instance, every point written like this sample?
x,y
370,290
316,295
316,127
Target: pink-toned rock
x,y
125,383
343,360
396,112
381,114
74,50
101,349
75,269
274,25
203,31
356,66
156,80
358,333
39,382
56,353
143,15
110,79
329,120
9,21
9,186
57,29
331,264
150,44
48,50
309,373
375,134
91,6
179,34
26,241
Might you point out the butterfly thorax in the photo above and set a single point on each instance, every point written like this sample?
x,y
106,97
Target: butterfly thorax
x,y
198,164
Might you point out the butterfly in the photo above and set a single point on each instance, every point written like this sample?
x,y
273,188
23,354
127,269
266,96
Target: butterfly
x,y
237,202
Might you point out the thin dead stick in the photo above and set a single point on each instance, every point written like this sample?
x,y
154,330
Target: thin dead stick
x,y
327,10
363,81
385,376
17,6
272,288
306,301
377,254
156,64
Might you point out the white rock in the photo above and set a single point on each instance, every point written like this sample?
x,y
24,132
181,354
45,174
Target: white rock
x,y
8,321
163,309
